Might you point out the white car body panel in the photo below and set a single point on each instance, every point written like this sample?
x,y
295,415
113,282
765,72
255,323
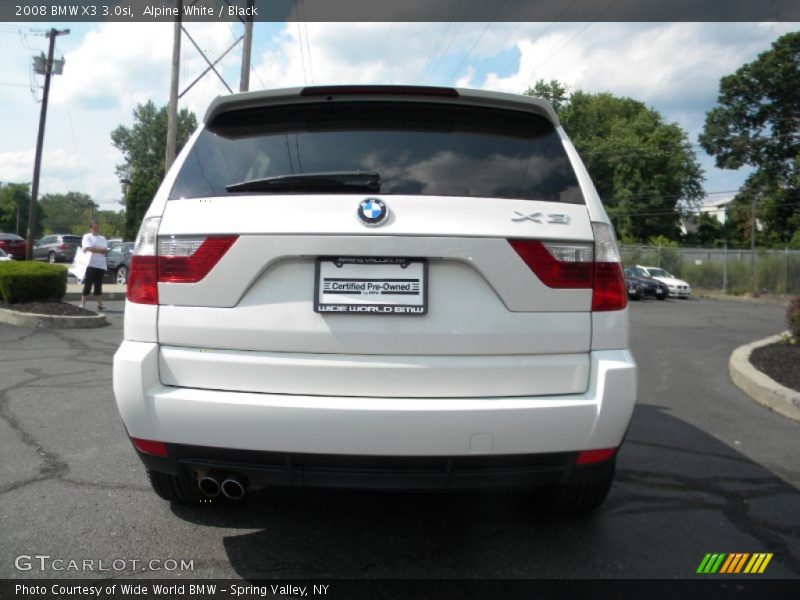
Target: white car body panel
x,y
375,375
363,426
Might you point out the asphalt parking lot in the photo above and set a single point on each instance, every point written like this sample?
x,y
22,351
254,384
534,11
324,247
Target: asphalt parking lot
x,y
704,470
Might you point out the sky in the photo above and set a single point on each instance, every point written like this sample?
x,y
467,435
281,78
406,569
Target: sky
x,y
674,68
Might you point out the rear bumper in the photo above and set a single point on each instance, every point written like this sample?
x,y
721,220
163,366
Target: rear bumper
x,y
370,426
259,469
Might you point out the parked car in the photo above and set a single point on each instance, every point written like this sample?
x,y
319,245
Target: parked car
x,y
59,247
118,260
4,257
421,290
640,285
677,288
14,245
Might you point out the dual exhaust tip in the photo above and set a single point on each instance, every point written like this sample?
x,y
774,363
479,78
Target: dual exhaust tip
x,y
230,486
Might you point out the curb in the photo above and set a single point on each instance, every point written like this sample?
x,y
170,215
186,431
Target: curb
x,y
758,386
111,291
21,319
772,300
107,296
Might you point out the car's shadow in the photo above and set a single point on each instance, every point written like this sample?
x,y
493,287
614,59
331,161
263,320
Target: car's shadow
x,y
673,501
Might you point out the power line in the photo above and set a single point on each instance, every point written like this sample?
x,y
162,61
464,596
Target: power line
x,y
439,41
434,50
308,44
480,37
565,44
302,53
443,52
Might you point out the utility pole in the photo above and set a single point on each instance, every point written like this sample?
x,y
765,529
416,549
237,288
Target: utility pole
x,y
172,111
37,163
244,80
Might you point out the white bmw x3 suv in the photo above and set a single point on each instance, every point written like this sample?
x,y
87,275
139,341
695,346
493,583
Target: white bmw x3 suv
x,y
377,286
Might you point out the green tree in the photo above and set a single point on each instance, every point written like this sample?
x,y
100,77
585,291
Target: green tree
x,y
140,193
112,223
708,231
643,168
15,201
143,147
553,91
66,213
756,123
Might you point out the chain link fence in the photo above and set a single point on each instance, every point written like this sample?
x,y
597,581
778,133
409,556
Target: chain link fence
x,y
724,269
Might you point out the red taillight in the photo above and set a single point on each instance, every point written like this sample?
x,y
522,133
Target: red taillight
x,y
143,280
63,247
193,267
588,457
183,261
608,290
570,265
150,447
550,271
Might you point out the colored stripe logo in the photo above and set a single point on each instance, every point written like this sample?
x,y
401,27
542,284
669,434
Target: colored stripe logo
x,y
734,563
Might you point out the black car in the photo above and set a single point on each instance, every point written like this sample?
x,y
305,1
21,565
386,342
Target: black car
x,y
58,247
640,285
118,260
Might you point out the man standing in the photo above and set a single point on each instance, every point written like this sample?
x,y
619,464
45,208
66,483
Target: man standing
x,y
97,247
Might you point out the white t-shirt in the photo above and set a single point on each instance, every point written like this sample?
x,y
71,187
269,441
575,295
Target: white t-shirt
x,y
95,260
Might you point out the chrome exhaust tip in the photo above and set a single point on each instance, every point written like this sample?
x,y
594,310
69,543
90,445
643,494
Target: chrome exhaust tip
x,y
233,488
209,485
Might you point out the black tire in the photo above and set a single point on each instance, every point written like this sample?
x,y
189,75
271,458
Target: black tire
x,y
122,275
176,489
577,498
51,258
662,297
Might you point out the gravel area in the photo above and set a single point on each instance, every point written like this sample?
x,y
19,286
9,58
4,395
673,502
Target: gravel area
x,y
61,309
780,361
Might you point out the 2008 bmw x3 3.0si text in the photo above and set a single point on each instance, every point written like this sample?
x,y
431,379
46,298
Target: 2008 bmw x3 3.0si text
x,y
377,286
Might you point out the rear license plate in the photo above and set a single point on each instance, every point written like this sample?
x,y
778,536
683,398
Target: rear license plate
x,y
371,285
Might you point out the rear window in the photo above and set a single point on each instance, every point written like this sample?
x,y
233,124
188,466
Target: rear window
x,y
418,149
72,239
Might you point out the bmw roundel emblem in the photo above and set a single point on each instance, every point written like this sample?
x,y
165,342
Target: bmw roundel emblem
x,y
372,212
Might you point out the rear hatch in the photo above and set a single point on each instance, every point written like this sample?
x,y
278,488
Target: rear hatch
x,y
375,247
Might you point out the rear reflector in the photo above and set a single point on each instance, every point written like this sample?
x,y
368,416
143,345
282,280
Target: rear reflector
x,y
588,457
608,291
150,447
143,280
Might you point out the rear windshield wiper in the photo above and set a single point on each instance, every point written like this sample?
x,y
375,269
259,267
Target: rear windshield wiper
x,y
337,181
